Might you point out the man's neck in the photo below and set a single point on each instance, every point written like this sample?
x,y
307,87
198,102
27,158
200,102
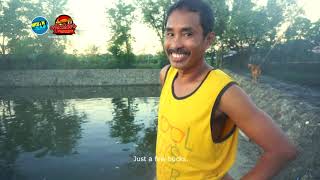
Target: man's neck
x,y
193,73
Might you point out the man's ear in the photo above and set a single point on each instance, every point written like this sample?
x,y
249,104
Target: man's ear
x,y
209,39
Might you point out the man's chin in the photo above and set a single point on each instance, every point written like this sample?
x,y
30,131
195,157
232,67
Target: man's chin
x,y
178,65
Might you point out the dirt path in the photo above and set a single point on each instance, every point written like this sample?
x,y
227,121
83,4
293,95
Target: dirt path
x,y
296,110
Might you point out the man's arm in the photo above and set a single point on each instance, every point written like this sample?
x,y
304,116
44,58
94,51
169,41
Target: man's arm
x,y
163,73
260,128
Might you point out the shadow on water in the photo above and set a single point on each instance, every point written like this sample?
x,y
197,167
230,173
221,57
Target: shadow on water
x,y
51,133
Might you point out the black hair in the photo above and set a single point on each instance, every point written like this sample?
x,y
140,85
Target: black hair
x,y
206,13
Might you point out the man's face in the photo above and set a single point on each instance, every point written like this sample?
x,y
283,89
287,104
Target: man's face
x,y
184,42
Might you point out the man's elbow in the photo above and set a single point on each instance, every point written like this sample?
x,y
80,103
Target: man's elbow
x,y
291,152
288,152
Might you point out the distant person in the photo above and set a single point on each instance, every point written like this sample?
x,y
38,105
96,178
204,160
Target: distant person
x,y
202,109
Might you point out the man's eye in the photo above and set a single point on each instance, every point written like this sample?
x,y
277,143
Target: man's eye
x,y
188,34
169,34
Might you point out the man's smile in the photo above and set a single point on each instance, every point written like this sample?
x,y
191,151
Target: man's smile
x,y
178,56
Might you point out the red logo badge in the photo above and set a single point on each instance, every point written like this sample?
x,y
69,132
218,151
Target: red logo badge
x,y
63,26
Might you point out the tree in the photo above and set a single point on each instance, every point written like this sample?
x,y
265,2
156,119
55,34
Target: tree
x,y
154,14
18,45
120,20
242,26
299,29
251,29
92,50
50,9
221,14
313,34
12,27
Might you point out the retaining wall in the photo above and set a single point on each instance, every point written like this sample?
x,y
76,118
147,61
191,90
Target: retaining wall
x,y
83,77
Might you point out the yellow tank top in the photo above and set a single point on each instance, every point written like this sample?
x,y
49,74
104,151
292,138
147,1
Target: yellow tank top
x,y
185,146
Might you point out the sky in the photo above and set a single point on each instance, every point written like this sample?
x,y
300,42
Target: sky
x,y
91,20
311,8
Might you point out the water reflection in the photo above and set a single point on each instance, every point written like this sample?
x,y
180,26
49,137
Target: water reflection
x,y
123,124
57,138
146,147
43,127
129,129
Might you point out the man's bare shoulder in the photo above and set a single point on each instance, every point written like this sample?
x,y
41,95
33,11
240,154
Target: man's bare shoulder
x,y
163,73
237,97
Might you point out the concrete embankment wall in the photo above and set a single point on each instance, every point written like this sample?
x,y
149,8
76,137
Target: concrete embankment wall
x,y
83,77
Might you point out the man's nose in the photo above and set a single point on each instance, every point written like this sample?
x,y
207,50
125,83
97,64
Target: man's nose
x,y
177,42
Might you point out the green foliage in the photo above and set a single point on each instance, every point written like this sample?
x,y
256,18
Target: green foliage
x,y
314,33
299,29
154,14
120,20
50,9
12,26
293,51
253,30
221,14
17,41
150,61
251,26
240,25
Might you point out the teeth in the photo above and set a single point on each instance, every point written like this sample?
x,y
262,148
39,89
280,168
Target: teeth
x,y
175,55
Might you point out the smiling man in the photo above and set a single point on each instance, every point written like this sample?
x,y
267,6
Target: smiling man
x,y
201,108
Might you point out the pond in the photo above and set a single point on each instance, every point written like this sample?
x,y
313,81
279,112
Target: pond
x,y
96,132
77,133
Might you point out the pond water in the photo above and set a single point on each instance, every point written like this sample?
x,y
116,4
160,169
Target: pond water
x,y
96,132
66,134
